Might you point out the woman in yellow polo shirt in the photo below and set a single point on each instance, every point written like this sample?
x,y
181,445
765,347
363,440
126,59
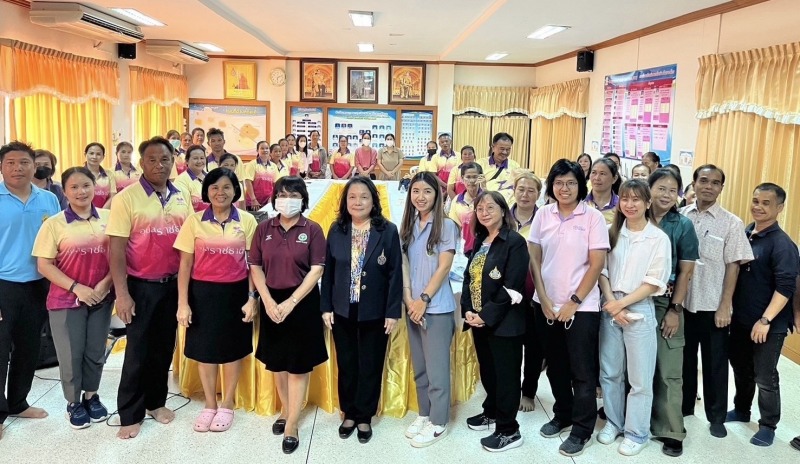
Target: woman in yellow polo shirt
x,y
216,299
262,173
72,253
192,179
105,185
341,161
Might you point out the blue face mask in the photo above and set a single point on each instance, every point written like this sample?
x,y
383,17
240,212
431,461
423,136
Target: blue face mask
x,y
175,143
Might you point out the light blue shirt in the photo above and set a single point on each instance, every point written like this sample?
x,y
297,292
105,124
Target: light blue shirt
x,y
422,265
18,228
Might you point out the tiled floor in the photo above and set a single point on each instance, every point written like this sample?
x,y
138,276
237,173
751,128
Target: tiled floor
x,y
250,439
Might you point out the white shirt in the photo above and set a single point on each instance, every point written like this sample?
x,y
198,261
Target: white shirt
x,y
640,258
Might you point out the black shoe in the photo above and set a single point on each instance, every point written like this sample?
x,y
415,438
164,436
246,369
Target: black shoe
x,y
554,428
497,441
364,436
718,430
574,446
279,427
290,444
345,432
795,443
734,415
672,447
480,422
601,413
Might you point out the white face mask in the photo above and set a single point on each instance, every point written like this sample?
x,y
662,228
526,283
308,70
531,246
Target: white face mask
x,y
390,143
365,142
288,207
301,144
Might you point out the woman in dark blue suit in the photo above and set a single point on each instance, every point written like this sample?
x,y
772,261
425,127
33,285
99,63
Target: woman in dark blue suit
x,y
362,290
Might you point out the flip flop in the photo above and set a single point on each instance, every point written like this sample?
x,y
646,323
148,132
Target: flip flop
x,y
204,420
222,421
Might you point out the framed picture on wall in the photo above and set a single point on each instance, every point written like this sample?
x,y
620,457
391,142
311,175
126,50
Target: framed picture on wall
x,y
239,78
318,80
362,85
407,83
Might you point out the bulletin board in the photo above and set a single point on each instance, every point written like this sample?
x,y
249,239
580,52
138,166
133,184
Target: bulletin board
x,y
638,113
244,123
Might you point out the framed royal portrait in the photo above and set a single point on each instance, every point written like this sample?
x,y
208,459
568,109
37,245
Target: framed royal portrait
x,y
318,80
407,83
239,78
362,85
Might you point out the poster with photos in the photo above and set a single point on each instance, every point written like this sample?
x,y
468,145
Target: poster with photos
x,y
416,128
354,123
305,119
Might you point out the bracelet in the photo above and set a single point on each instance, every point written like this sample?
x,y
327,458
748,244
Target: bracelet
x,y
72,287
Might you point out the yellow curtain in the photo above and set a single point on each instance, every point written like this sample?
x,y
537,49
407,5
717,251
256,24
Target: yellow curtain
x,y
490,101
567,98
518,127
749,108
553,139
158,100
474,131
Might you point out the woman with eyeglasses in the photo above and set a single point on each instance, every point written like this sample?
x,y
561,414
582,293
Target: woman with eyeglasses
x,y
568,243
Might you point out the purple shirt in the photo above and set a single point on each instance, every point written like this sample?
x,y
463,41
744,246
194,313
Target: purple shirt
x,y
286,256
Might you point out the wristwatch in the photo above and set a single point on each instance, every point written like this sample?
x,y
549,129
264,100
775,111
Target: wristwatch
x,y
676,307
575,299
765,321
426,298
252,294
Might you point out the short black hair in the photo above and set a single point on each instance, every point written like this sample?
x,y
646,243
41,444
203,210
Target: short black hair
x,y
779,192
674,168
95,144
652,154
710,167
344,220
157,140
122,145
563,167
504,137
611,154
291,184
193,148
172,132
389,135
217,174
228,156
214,131
76,170
198,129
613,168
49,154
468,147
660,173
16,145
471,165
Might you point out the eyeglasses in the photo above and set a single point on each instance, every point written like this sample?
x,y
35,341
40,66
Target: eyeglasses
x,y
487,209
569,184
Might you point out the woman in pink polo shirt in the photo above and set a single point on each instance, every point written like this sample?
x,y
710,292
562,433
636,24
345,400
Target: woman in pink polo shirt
x,y
568,245
366,158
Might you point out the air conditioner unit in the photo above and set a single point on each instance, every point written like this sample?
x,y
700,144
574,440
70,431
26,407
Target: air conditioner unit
x,y
84,21
176,51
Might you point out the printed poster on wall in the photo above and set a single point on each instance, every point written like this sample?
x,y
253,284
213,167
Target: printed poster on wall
x,y
638,112
244,126
306,119
416,128
353,123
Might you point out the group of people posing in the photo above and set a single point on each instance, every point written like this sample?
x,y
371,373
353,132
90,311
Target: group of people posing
x,y
605,282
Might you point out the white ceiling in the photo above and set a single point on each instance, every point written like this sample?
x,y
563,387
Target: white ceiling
x,y
445,30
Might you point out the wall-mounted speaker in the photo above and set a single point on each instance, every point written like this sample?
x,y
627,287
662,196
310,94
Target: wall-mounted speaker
x,y
126,51
585,61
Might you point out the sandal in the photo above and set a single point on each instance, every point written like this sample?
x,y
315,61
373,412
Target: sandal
x,y
223,420
204,420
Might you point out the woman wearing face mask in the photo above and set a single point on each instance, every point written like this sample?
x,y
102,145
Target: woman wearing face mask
x,y
366,158
192,179
390,160
638,268
125,173
216,298
361,300
455,185
342,161
493,286
105,185
428,240
303,154
318,158
262,173
286,262
45,163
179,166
463,205
605,184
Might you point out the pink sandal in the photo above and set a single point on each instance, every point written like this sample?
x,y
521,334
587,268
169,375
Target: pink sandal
x,y
222,421
204,420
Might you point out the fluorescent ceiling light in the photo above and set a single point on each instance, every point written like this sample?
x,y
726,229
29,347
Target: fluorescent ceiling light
x,y
361,18
209,47
496,56
366,48
137,17
546,31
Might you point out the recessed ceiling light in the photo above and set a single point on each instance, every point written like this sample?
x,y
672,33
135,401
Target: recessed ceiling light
x,y
137,16
496,56
209,47
366,48
361,18
546,31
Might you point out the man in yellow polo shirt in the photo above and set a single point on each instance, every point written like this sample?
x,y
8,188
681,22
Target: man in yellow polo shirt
x,y
145,220
498,167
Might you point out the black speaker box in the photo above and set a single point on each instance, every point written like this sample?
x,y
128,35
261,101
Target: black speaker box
x,y
585,61
126,51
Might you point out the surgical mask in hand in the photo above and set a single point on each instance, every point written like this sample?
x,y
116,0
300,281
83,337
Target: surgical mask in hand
x,y
288,207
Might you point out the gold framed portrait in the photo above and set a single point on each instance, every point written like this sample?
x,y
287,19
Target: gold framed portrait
x,y
239,78
318,80
406,83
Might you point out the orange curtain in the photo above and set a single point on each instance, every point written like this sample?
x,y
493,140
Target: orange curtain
x,y
158,100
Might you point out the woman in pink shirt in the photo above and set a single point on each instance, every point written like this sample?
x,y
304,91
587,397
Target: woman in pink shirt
x,y
366,158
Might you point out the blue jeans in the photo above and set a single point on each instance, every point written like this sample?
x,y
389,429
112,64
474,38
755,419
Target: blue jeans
x,y
632,347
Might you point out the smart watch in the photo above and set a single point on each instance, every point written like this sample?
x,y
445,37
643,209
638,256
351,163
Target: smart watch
x,y
252,294
575,299
675,307
765,321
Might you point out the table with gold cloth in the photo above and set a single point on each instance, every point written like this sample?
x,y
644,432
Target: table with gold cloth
x,y
256,390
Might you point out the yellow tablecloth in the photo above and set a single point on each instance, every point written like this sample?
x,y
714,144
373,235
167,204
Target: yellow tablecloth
x,y
256,390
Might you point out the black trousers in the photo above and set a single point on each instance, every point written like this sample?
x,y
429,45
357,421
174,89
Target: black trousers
x,y
535,328
757,364
23,310
148,354
573,370
500,362
360,352
701,331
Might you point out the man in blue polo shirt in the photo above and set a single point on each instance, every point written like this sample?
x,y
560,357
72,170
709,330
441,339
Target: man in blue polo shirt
x,y
23,207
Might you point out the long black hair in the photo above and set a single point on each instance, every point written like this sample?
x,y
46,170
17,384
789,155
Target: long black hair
x,y
479,230
635,187
661,173
613,168
410,213
344,220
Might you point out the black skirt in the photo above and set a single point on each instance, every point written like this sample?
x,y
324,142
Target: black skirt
x,y
297,344
217,334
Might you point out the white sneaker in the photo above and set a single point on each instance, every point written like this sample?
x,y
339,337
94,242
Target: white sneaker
x,y
629,447
416,427
429,435
609,434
